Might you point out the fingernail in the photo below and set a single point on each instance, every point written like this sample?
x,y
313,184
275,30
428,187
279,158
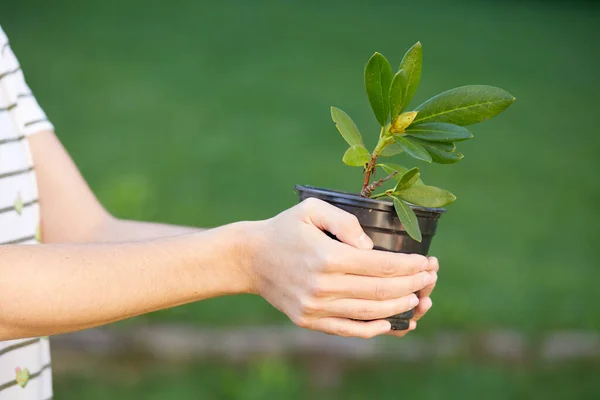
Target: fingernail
x,y
388,326
427,279
414,301
365,242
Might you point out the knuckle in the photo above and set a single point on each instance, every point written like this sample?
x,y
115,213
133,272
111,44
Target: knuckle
x,y
318,287
381,291
308,306
388,267
319,261
365,313
310,203
351,221
346,223
301,321
329,261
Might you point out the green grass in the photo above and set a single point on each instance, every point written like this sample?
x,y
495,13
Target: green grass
x,y
280,379
205,113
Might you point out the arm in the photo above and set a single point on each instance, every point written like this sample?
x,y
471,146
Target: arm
x,y
77,286
70,211
319,283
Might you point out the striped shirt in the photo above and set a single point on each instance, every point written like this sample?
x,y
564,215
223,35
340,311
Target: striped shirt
x,y
25,372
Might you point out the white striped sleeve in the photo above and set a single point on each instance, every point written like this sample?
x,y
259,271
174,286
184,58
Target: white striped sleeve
x,y
16,96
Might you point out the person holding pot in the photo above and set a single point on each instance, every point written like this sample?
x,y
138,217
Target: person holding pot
x,y
66,264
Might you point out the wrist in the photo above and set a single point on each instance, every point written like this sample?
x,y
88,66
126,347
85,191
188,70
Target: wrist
x,y
224,257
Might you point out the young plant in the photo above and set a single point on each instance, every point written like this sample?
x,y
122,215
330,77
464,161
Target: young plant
x,y
428,133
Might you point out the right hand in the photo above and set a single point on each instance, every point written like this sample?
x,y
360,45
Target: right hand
x,y
326,285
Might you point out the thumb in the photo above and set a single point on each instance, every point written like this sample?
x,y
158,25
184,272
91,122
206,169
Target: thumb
x,y
343,225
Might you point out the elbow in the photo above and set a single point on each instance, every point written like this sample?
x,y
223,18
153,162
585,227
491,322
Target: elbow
x,y
92,228
100,230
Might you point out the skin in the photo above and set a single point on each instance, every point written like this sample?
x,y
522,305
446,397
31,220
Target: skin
x,y
95,269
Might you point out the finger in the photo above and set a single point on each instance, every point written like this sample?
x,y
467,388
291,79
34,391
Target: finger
x,y
374,262
411,327
369,309
426,291
338,222
346,327
338,286
425,305
434,264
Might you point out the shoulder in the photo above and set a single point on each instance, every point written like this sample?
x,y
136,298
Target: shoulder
x,y
16,96
3,38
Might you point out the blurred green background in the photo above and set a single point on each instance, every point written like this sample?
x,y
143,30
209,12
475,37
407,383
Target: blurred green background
x,y
204,113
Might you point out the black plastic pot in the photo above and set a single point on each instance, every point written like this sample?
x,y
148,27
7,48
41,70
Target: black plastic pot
x,y
380,222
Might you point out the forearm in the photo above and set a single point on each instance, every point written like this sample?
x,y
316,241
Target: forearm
x,y
50,289
120,230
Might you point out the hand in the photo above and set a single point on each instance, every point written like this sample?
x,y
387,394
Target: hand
x,y
326,285
424,300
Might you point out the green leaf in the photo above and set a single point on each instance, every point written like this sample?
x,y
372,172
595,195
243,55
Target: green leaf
x,y
408,218
426,196
391,150
346,126
445,157
464,105
390,168
412,63
445,146
440,152
356,156
412,148
397,94
408,179
378,78
439,132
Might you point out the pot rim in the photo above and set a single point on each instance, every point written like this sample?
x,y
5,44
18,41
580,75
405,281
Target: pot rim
x,y
357,200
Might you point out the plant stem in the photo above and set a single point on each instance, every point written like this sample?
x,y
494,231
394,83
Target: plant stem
x,y
371,165
378,195
369,189
368,176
